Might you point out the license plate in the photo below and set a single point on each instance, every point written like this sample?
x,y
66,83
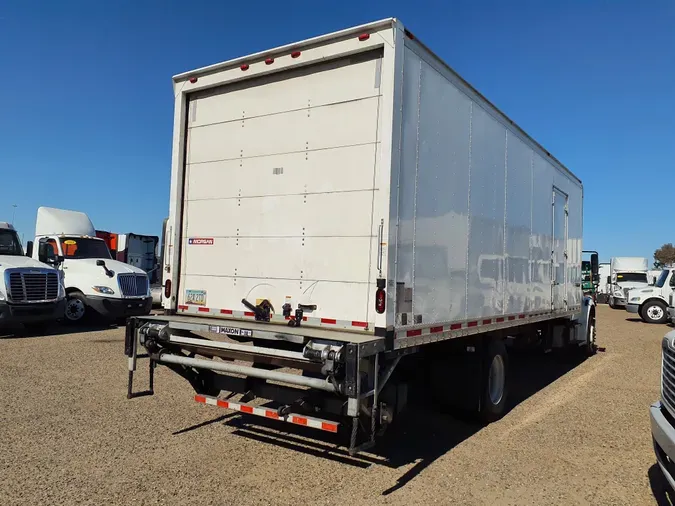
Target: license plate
x,y
230,331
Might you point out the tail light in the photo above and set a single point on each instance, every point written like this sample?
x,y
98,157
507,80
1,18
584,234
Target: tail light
x,y
167,289
380,300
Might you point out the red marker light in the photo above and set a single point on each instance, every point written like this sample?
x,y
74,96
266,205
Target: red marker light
x,y
244,66
409,34
269,61
295,54
193,80
167,288
380,300
364,36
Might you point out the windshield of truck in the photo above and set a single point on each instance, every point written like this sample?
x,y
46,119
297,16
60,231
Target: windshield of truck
x,y
9,243
631,277
83,247
662,278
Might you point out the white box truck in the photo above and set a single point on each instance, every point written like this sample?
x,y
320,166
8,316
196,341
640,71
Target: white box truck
x,y
348,206
95,283
626,273
31,292
605,283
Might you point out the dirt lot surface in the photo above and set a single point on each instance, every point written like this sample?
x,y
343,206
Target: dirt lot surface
x,y
578,433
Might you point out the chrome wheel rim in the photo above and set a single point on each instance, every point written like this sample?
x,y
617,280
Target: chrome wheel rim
x,y
655,312
74,310
496,380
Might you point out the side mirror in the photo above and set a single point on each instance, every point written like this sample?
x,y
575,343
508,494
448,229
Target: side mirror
x,y
100,263
595,266
609,280
46,253
29,249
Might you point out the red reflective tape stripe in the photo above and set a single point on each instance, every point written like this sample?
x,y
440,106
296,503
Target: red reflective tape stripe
x,y
272,414
225,311
204,310
512,318
359,324
435,330
330,427
183,308
329,321
472,324
200,398
521,316
246,409
413,333
455,326
223,404
248,313
298,420
487,322
499,320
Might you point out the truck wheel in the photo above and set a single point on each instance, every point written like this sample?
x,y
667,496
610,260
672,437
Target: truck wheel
x,y
611,302
590,348
76,307
654,312
494,382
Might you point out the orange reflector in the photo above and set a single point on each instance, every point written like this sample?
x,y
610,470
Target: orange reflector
x,y
222,404
200,398
246,409
298,420
330,427
272,414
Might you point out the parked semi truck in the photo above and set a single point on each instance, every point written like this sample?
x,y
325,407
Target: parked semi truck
x,y
626,273
662,413
31,292
651,303
349,207
95,283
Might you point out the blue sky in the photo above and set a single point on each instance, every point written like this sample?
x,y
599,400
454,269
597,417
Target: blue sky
x,y
88,102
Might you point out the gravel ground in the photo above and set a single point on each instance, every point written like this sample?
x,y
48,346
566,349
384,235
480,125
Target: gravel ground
x,y
577,434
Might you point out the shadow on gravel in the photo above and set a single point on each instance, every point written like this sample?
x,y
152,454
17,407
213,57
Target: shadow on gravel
x,y
58,329
634,320
418,436
660,487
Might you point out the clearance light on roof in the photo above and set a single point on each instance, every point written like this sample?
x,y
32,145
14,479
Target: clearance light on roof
x,y
269,61
244,66
364,36
409,34
193,80
295,54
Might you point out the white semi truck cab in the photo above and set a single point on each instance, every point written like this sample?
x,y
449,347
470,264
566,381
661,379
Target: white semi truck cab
x,y
95,284
626,273
651,303
31,292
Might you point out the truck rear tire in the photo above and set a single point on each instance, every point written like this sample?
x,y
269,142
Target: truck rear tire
x,y
494,390
654,312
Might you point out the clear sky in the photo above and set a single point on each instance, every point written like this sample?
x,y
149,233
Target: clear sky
x,y
87,107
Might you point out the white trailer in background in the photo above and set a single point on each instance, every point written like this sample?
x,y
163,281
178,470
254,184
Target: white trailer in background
x,y
350,207
626,273
605,282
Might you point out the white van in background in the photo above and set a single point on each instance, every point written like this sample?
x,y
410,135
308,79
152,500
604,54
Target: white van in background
x,y
605,282
94,282
626,273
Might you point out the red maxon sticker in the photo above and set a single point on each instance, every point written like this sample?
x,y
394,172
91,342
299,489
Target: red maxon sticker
x,y
204,241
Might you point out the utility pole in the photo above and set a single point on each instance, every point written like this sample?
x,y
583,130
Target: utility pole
x,y
14,206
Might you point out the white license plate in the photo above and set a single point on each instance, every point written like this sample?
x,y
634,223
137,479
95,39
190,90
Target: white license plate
x,y
230,331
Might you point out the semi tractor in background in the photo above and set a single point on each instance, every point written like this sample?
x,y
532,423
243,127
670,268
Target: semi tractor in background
x,y
651,302
350,208
626,273
31,292
95,283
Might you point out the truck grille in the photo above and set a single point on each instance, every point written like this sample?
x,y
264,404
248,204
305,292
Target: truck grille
x,y
32,286
668,377
133,285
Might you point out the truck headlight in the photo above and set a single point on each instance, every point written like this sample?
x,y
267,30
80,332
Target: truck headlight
x,y
635,299
618,293
62,290
2,296
103,289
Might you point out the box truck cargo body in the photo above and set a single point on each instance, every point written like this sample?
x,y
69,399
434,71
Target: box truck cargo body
x,y
353,190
